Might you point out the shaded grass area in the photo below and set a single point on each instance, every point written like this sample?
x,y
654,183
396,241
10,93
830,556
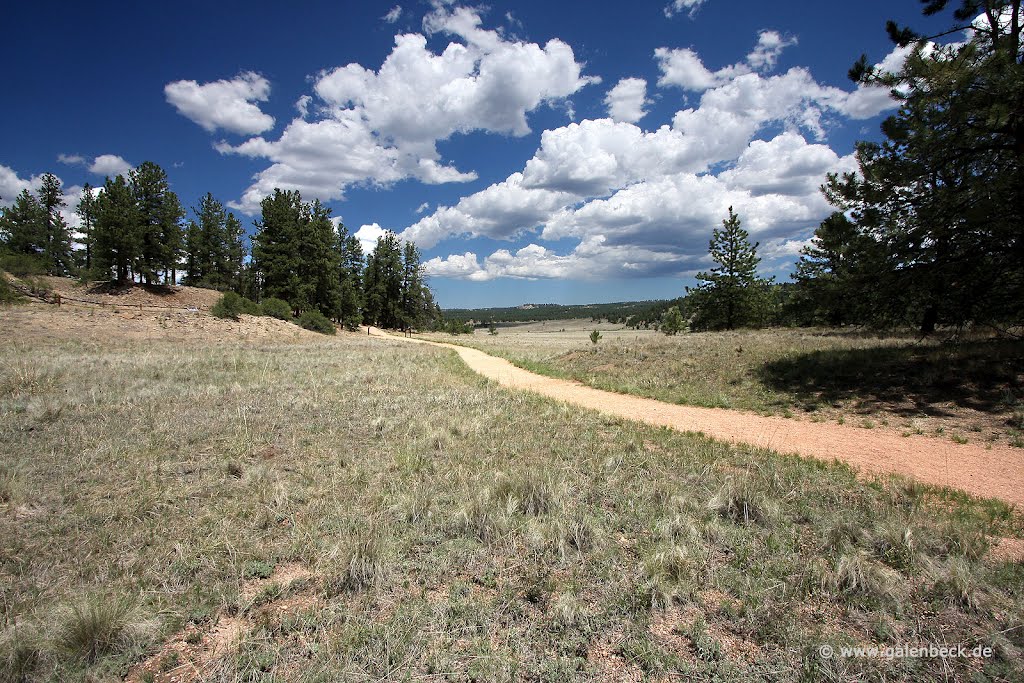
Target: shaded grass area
x,y
974,387
454,531
985,376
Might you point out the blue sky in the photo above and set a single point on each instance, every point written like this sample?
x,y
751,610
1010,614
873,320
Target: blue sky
x,y
536,151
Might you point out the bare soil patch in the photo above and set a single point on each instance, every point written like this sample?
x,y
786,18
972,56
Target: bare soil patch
x,y
148,296
192,653
38,323
1008,549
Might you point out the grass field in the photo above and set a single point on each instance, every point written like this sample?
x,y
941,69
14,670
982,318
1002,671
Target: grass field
x,y
971,391
355,510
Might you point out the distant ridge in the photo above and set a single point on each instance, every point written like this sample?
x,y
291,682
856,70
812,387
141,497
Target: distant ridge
x,y
530,312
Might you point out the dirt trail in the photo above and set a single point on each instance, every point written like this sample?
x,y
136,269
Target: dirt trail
x,y
993,473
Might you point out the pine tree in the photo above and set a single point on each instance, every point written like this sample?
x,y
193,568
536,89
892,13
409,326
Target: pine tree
x,y
383,283
322,258
413,312
159,213
350,277
942,195
672,322
116,241
172,237
21,226
56,237
833,281
276,246
234,254
728,294
87,214
206,245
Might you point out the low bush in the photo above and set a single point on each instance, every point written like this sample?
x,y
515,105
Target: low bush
x,y
277,308
316,321
22,265
232,305
8,295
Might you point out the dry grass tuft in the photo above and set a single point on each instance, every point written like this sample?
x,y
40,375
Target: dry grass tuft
x,y
741,500
21,654
670,573
856,574
957,583
99,625
358,566
529,493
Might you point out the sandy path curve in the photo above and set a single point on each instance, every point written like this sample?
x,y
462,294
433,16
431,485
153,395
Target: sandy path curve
x,y
992,473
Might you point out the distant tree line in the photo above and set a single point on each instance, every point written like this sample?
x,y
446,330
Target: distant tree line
x,y
133,229
614,312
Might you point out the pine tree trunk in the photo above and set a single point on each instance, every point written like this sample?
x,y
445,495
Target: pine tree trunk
x,y
931,317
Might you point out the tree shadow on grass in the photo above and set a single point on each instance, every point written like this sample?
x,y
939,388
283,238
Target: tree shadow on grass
x,y
986,376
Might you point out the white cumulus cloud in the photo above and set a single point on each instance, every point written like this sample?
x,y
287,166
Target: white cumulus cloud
x,y
590,260
368,236
109,165
224,104
500,211
627,99
644,202
382,126
770,45
11,185
682,67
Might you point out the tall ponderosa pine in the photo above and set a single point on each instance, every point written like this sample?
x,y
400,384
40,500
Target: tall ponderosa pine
x,y
834,275
322,257
214,247
56,237
34,226
417,300
350,277
233,265
383,283
116,240
87,219
159,213
298,254
21,226
275,248
395,293
728,295
943,195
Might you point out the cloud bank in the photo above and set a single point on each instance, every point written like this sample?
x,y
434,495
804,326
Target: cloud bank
x,y
643,202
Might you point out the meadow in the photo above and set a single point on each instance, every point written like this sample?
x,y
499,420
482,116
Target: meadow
x,y
971,390
354,509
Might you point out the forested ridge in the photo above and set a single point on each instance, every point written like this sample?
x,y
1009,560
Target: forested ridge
x,y
135,229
